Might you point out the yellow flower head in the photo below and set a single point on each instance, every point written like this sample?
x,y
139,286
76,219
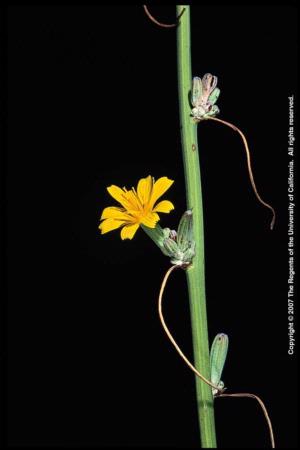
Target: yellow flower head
x,y
138,206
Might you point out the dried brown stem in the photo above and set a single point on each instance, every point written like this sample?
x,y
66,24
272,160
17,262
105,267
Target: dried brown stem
x,y
224,122
160,24
262,405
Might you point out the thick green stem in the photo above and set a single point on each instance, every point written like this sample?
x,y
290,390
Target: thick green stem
x,y
195,274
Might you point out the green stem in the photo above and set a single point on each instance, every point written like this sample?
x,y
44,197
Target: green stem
x,y
156,234
195,274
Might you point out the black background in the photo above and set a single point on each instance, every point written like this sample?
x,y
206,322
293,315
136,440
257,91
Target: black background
x,y
92,101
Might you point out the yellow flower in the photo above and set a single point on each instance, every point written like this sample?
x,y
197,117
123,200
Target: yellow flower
x,y
138,207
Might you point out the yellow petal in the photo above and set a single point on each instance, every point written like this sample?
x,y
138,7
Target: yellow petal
x,y
110,224
133,201
118,194
129,231
164,206
112,212
150,220
159,188
144,189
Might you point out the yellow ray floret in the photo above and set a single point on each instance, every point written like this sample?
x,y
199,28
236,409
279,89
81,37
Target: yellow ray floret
x,y
137,206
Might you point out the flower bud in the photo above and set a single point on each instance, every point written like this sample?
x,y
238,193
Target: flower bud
x,y
218,356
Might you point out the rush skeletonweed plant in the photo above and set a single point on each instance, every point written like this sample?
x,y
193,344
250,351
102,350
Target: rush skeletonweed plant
x,y
140,208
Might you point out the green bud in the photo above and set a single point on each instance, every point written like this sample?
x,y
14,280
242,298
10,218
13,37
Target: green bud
x,y
214,96
180,245
218,354
185,231
204,96
171,247
189,254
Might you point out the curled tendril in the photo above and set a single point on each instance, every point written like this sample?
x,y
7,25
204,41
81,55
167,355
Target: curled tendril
x,y
219,391
160,24
262,405
224,122
168,333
